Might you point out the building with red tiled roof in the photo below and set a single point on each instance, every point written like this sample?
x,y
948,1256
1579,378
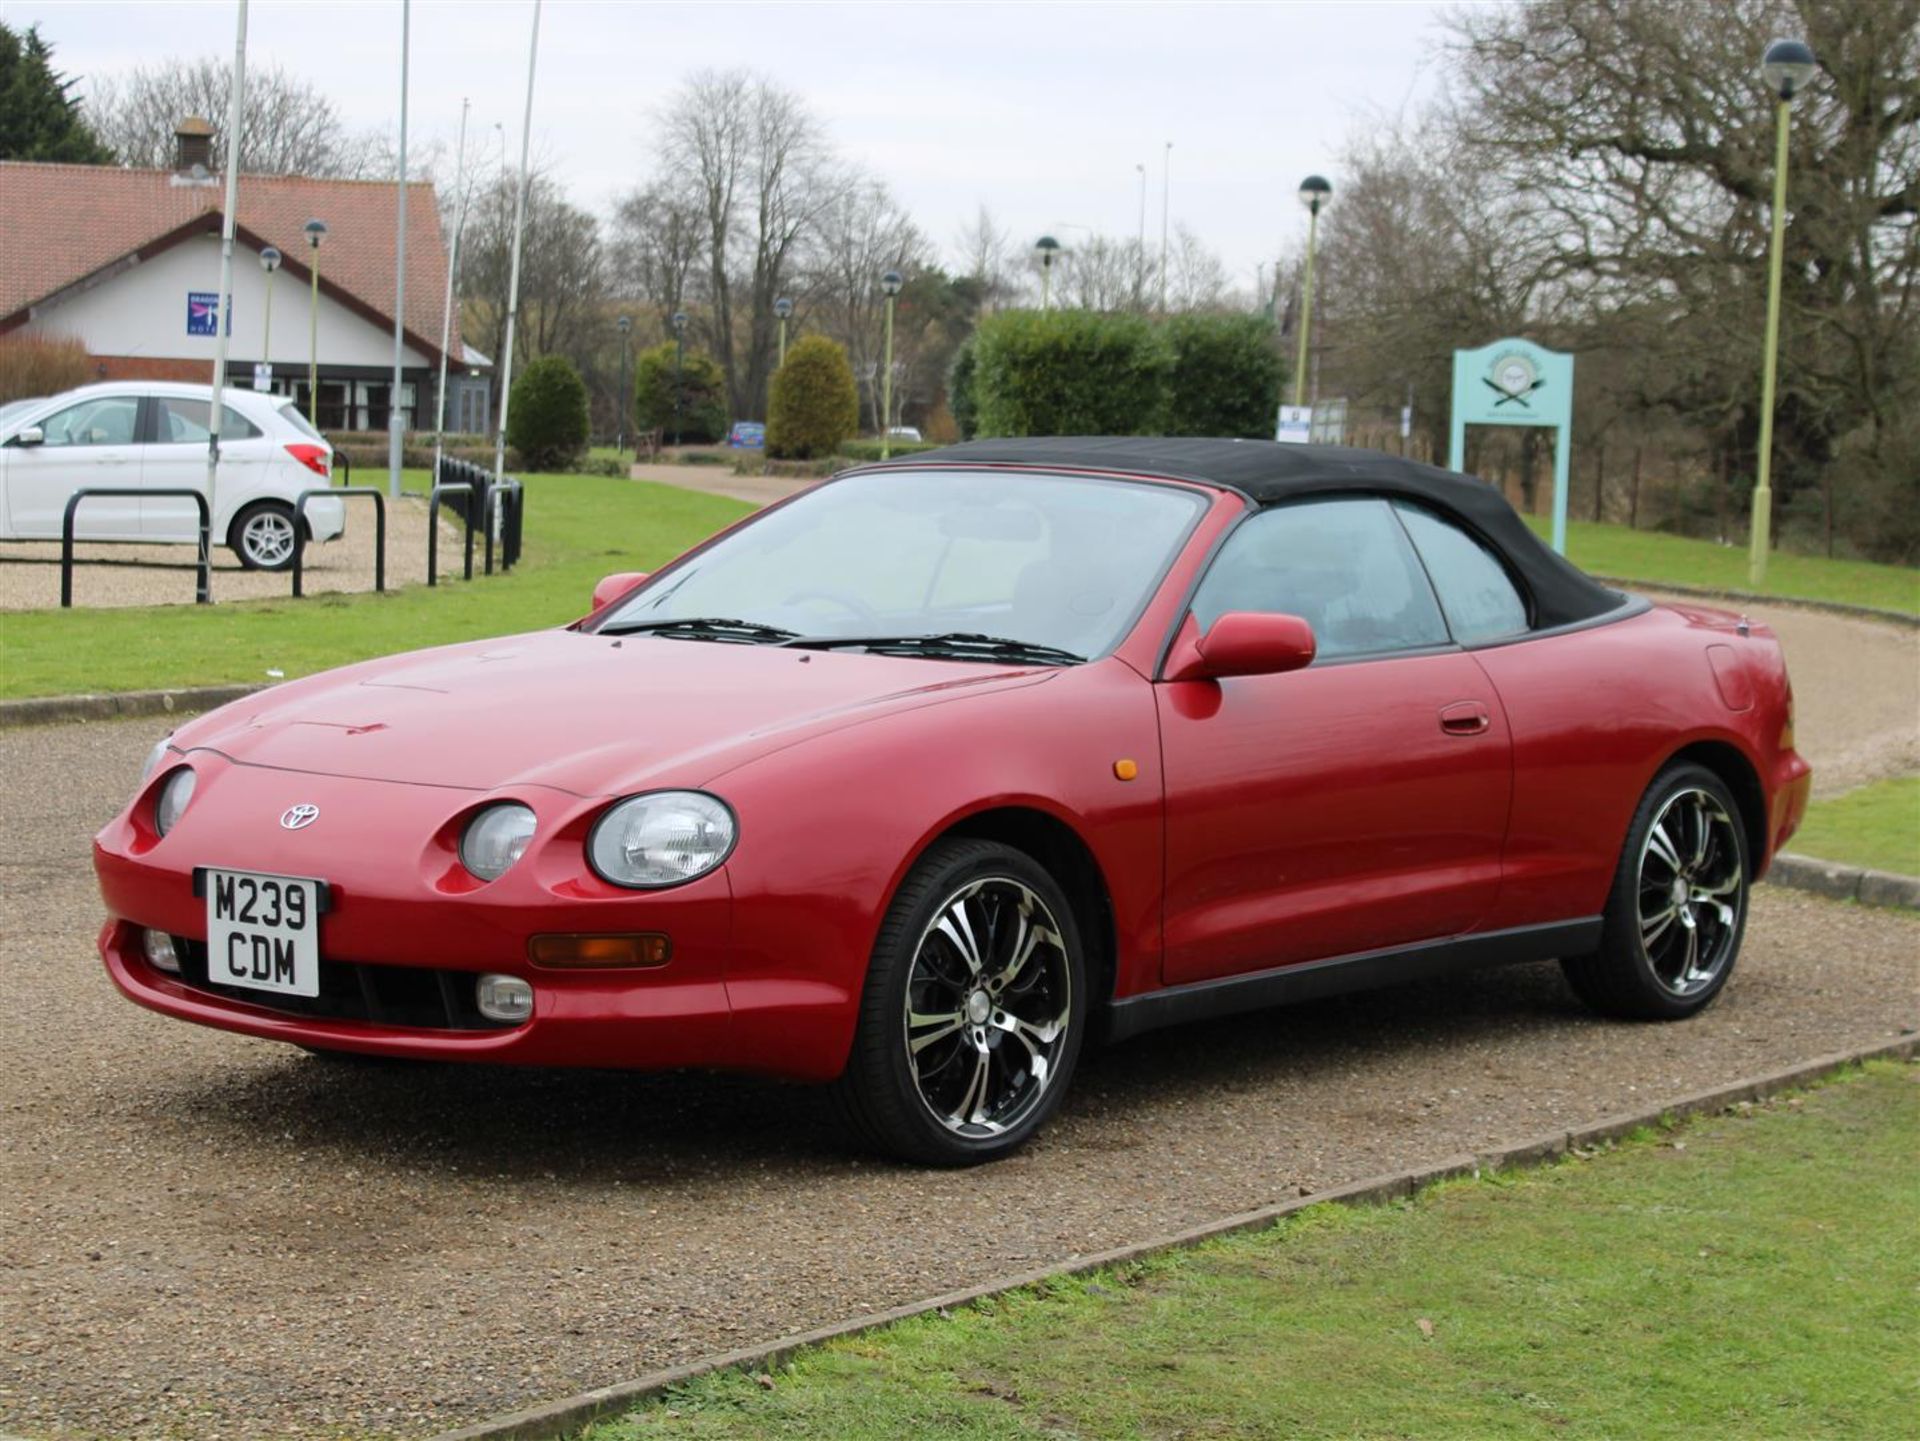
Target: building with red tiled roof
x,y
128,261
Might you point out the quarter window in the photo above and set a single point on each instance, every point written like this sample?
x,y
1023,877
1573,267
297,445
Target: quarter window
x,y
181,422
1344,566
1476,593
104,420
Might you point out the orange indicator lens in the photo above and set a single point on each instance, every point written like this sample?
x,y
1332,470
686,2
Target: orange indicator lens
x,y
600,952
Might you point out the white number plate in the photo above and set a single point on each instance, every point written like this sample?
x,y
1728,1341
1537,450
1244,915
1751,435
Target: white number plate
x,y
263,932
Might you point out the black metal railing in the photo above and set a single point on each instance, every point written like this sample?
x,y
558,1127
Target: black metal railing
x,y
300,529
433,528
203,595
495,507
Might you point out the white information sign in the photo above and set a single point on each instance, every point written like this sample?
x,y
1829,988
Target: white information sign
x,y
262,375
1296,425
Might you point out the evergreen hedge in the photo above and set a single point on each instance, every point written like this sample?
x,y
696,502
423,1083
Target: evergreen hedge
x,y
547,414
1226,376
960,393
812,405
1070,372
703,395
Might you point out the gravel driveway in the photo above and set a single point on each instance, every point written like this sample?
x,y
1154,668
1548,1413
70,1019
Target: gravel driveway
x,y
209,1236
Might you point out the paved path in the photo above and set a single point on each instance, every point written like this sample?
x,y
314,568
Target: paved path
x,y
720,480
205,1235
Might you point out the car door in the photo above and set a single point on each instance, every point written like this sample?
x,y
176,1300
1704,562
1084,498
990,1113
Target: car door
x,y
175,458
1354,805
88,443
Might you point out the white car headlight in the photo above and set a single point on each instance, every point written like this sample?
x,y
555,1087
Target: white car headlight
x,y
495,838
175,792
661,839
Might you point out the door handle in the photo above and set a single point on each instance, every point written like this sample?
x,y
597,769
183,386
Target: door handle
x,y
1465,718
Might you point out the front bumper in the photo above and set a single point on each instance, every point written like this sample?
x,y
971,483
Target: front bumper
x,y
413,912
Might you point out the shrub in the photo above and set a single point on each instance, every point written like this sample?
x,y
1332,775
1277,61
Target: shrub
x,y
35,365
812,405
547,414
1070,372
960,396
868,451
703,395
1226,377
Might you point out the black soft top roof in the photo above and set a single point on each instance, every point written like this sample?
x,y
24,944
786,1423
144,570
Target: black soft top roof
x,y
1268,473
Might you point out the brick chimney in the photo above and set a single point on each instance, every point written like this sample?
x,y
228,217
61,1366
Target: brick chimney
x,y
193,154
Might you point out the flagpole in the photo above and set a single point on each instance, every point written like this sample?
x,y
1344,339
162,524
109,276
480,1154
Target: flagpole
x,y
446,306
222,322
396,431
513,279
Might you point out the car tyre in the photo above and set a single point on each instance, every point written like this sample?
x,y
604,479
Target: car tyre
x,y
263,535
1675,916
974,1009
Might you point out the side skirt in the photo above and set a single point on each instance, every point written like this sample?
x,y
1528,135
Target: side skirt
x,y
1310,980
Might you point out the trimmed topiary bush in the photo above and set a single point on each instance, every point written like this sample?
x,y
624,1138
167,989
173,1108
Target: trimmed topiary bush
x,y
1070,372
811,404
1226,377
703,395
547,414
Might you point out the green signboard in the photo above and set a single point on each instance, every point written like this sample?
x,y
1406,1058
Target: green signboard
x,y
1515,382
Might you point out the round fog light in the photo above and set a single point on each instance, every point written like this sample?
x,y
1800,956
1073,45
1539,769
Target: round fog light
x,y
504,998
160,953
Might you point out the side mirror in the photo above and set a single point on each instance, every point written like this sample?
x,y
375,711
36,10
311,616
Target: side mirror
x,y
612,587
1244,643
32,435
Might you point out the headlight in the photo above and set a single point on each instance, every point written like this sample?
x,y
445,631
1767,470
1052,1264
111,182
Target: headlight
x,y
661,839
154,757
495,839
175,792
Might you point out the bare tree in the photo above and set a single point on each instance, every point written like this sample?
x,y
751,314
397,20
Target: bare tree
x,y
287,127
863,233
561,279
994,260
1640,138
748,157
657,244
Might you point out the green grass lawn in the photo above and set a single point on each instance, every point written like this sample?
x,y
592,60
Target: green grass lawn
x,y
1651,556
578,528
1877,826
1748,1276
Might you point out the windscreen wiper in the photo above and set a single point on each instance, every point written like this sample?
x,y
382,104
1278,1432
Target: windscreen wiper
x,y
954,644
705,627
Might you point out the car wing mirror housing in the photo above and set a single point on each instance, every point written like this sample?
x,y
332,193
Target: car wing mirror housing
x,y
31,435
612,587
1242,643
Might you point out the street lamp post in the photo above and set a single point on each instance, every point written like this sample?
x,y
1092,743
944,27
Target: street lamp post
x,y
890,284
269,262
679,354
316,232
1786,67
1045,249
1314,193
783,308
625,326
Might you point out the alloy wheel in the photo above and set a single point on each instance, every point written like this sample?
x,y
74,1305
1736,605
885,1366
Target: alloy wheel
x,y
989,1000
267,539
1692,892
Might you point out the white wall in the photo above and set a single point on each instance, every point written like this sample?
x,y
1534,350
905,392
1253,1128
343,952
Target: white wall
x,y
143,311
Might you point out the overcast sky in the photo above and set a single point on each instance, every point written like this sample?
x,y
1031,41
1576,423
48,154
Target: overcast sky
x,y
1039,111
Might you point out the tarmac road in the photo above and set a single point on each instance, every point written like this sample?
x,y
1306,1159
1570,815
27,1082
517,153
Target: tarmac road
x,y
209,1236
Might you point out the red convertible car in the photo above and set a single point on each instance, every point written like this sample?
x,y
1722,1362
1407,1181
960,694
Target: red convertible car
x,y
919,780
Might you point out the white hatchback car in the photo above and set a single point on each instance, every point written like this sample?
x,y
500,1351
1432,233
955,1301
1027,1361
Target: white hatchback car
x,y
147,436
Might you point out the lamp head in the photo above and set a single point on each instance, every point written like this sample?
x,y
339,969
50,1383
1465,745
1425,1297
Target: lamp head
x,y
1046,247
890,283
316,232
1315,192
269,260
679,321
783,307
1787,67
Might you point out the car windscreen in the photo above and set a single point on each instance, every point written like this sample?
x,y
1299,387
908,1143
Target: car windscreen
x,y
1050,561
